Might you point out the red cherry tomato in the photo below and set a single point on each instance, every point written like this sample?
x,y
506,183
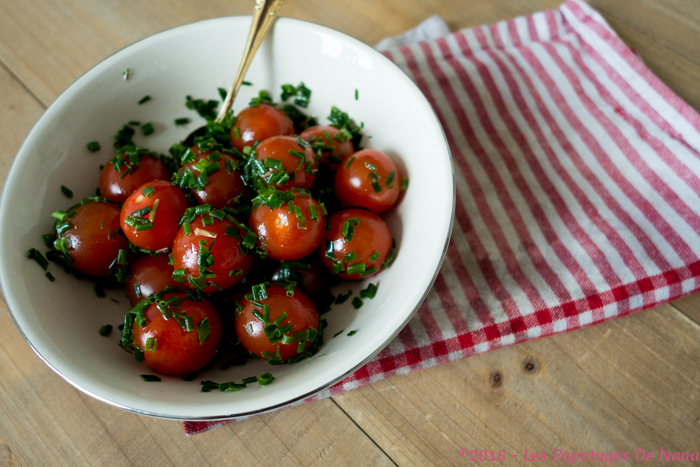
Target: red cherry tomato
x,y
356,245
173,349
93,241
279,150
210,257
301,316
225,186
150,274
368,179
284,235
150,218
117,185
258,123
333,146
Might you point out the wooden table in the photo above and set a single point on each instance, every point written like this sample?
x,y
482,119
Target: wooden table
x,y
632,383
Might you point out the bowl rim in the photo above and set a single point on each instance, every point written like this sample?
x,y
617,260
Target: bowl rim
x,y
310,393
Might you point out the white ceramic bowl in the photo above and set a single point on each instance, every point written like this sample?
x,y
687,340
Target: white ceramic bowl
x,y
60,320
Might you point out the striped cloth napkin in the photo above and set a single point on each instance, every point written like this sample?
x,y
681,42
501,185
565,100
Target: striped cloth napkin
x,y
578,187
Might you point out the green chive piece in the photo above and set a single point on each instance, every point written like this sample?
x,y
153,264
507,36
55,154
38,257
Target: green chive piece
x,y
374,257
352,256
352,333
50,277
144,99
389,181
150,378
357,268
147,129
66,191
265,379
357,94
148,191
94,146
204,330
105,330
357,302
404,184
347,164
369,292
36,255
182,121
338,333
100,291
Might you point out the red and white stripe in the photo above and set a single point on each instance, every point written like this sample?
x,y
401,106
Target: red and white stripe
x,y
578,187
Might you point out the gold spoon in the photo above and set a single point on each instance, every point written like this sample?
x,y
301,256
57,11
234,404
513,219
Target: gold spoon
x,y
264,16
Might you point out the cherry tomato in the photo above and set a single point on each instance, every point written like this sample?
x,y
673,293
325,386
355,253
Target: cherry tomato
x,y
150,216
301,315
258,123
278,151
333,145
93,241
150,274
368,179
117,185
210,257
286,235
307,272
174,350
225,187
356,245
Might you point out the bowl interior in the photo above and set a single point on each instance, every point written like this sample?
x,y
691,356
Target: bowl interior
x,y
60,319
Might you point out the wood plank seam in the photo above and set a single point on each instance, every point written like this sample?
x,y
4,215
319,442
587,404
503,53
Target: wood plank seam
x,y
364,432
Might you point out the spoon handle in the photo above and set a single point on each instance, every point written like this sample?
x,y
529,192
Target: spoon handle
x,y
265,10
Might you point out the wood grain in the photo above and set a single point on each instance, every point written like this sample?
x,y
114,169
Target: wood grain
x,y
629,383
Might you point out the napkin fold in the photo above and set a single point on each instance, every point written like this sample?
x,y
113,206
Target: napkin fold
x,y
578,187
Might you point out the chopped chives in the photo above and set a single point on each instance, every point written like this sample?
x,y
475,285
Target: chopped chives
x,y
357,94
66,191
100,291
182,121
265,379
352,333
357,268
237,132
389,180
150,378
313,214
369,292
338,333
374,257
50,277
147,129
352,256
144,99
347,164
404,184
36,255
105,330
204,330
126,73
150,344
357,302
148,191
48,239
94,146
